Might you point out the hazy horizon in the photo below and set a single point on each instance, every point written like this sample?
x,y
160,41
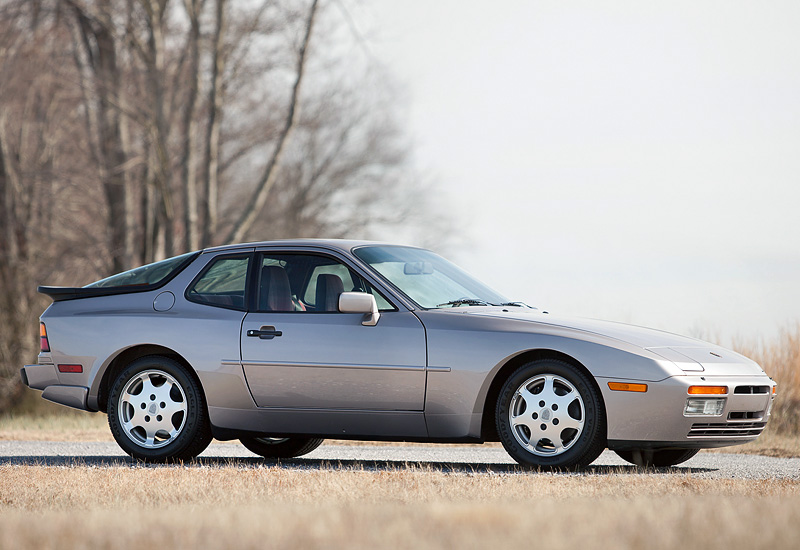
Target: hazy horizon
x,y
629,161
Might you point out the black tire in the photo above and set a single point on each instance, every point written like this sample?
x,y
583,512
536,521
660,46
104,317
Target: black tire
x,y
290,447
181,433
526,441
658,458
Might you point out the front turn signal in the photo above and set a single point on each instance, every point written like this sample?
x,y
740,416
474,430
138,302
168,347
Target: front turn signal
x,y
625,386
708,390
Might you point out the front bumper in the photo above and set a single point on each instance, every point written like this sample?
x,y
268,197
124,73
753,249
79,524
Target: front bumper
x,y
656,419
45,377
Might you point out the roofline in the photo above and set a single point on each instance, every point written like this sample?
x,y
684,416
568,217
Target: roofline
x,y
345,245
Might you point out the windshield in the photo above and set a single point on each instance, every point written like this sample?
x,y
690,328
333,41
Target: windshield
x,y
147,275
427,278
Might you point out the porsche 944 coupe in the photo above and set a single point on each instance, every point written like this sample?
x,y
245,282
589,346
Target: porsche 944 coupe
x,y
281,344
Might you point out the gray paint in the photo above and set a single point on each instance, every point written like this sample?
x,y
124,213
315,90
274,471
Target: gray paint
x,y
326,360
416,374
71,396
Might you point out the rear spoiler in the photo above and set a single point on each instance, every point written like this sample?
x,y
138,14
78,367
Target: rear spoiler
x,y
62,293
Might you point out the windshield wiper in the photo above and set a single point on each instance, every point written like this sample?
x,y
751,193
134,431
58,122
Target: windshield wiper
x,y
465,302
516,304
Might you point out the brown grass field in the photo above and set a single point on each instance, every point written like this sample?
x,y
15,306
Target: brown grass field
x,y
245,506
274,507
780,358
236,505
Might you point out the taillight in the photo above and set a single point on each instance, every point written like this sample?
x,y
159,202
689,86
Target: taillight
x,y
43,342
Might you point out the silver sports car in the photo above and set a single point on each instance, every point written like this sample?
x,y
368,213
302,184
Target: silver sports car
x,y
280,344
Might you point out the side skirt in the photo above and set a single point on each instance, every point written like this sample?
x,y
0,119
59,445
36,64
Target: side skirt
x,y
328,423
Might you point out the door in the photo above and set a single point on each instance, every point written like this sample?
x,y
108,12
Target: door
x,y
298,351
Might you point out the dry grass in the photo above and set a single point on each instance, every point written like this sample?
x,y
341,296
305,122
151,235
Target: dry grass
x,y
780,358
770,443
51,427
65,488
272,507
660,523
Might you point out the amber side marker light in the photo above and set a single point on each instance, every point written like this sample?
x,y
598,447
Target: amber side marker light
x,y
44,344
774,390
708,390
624,386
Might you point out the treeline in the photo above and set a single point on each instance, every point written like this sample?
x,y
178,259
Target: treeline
x,y
134,130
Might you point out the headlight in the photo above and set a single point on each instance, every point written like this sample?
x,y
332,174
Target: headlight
x,y
704,406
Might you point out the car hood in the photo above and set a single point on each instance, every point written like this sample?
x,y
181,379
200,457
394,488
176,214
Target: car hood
x,y
687,353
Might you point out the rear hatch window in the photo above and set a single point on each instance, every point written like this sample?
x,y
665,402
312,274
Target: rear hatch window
x,y
146,276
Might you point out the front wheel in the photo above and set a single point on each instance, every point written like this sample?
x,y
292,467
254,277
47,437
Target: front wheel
x,y
549,415
281,447
659,458
157,412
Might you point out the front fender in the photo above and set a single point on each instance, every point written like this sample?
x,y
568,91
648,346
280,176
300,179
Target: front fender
x,y
467,353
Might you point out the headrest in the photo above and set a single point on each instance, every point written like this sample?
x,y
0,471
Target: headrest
x,y
275,293
328,289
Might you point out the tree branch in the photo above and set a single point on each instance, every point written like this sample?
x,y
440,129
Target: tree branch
x,y
267,179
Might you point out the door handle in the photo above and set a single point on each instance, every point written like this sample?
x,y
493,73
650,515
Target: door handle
x,y
265,333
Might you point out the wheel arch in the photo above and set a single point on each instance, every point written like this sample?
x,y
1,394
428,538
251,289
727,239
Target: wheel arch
x,y
488,423
131,354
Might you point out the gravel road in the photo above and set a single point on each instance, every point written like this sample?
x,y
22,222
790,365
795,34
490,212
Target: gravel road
x,y
467,459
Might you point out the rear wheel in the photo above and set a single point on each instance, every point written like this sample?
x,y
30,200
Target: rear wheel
x,y
157,412
659,458
549,415
281,447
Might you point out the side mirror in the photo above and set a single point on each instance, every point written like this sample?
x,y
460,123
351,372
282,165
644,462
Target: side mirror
x,y
360,302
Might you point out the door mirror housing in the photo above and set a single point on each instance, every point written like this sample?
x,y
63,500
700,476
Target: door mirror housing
x,y
360,302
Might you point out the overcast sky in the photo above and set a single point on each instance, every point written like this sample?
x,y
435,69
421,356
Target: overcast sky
x,y
634,161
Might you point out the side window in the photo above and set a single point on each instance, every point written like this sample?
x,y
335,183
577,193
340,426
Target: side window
x,y
337,270
222,284
308,283
351,281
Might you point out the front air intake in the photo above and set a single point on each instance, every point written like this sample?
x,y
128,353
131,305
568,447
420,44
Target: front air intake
x,y
748,390
721,429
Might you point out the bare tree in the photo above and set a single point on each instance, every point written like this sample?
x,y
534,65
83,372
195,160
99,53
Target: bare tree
x,y
137,129
96,58
42,179
216,95
270,174
191,236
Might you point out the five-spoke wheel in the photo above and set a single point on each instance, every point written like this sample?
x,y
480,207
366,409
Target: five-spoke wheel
x,y
156,411
550,415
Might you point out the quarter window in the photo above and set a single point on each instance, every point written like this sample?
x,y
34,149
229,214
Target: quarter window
x,y
222,284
